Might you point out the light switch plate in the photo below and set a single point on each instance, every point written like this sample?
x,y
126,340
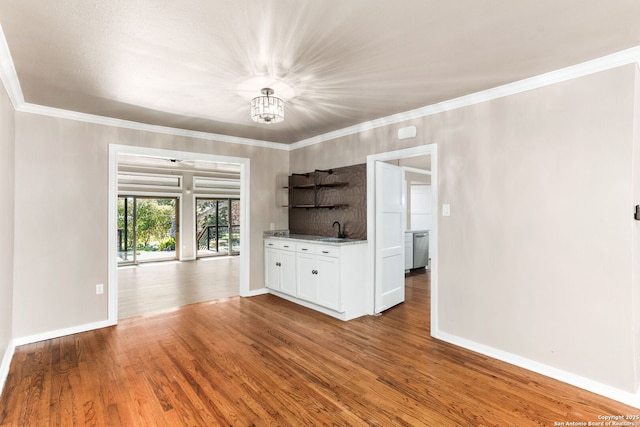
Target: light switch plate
x,y
446,209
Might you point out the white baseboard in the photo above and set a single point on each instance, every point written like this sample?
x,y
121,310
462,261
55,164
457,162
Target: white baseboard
x,y
256,292
61,332
6,364
622,396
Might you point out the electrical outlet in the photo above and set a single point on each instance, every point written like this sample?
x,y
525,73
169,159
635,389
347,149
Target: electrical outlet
x,y
99,289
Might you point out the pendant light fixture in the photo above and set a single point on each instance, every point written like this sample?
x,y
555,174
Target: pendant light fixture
x,y
267,108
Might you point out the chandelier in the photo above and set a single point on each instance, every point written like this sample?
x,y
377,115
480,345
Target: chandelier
x,y
267,108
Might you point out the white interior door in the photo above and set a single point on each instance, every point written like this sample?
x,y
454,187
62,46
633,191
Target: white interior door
x,y
389,241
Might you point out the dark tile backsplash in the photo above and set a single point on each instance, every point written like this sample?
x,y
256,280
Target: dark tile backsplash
x,y
318,221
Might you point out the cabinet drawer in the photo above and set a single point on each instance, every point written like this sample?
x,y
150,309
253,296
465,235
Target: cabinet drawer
x,y
306,248
332,251
280,244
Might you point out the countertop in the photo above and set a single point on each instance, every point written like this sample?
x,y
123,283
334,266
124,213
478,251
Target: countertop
x,y
324,240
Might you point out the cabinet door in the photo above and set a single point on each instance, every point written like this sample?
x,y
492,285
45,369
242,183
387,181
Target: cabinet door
x,y
288,273
328,282
272,269
307,278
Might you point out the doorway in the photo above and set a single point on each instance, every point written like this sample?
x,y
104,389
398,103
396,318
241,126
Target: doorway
x,y
147,229
242,165
374,249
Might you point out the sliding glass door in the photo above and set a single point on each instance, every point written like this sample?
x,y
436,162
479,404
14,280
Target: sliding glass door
x,y
217,227
147,229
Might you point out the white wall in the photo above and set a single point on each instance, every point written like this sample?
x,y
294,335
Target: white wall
x,y
536,258
7,171
61,211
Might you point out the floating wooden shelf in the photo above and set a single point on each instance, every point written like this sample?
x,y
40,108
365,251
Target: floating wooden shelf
x,y
315,202
314,186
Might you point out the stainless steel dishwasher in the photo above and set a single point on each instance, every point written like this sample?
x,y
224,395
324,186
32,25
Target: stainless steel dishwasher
x,y
420,249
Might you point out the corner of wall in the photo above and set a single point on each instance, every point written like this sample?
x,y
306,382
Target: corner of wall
x,y
7,226
6,364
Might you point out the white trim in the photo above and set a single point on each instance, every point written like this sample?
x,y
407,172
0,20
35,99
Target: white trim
x,y
604,63
429,149
625,397
245,229
245,197
416,170
8,73
62,332
127,124
194,229
6,364
256,292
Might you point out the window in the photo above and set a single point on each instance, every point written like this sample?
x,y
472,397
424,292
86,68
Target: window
x,y
217,226
146,229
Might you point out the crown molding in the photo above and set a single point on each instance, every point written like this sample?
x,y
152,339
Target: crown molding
x,y
11,83
126,124
604,63
8,74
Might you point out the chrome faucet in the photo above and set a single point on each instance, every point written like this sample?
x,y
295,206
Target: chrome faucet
x,y
340,233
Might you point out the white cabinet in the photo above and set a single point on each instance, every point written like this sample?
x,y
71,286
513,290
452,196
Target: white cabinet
x,y
307,283
326,278
328,274
318,270
280,266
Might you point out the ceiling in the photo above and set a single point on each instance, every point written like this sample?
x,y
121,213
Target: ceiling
x,y
195,64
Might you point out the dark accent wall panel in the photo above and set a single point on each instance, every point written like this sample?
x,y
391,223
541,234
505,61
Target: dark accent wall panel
x,y
318,221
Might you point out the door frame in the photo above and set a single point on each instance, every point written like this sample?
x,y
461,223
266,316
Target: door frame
x,y
245,243
429,149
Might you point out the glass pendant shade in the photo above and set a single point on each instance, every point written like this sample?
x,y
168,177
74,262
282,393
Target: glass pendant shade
x,y
267,108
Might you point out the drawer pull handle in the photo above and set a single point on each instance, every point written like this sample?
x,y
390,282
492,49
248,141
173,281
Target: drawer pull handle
x,y
286,246
325,252
305,249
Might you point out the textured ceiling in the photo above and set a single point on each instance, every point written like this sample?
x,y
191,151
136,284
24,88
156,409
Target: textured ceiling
x,y
195,64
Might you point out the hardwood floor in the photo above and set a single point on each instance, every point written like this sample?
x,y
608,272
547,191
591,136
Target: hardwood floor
x,y
263,361
153,287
